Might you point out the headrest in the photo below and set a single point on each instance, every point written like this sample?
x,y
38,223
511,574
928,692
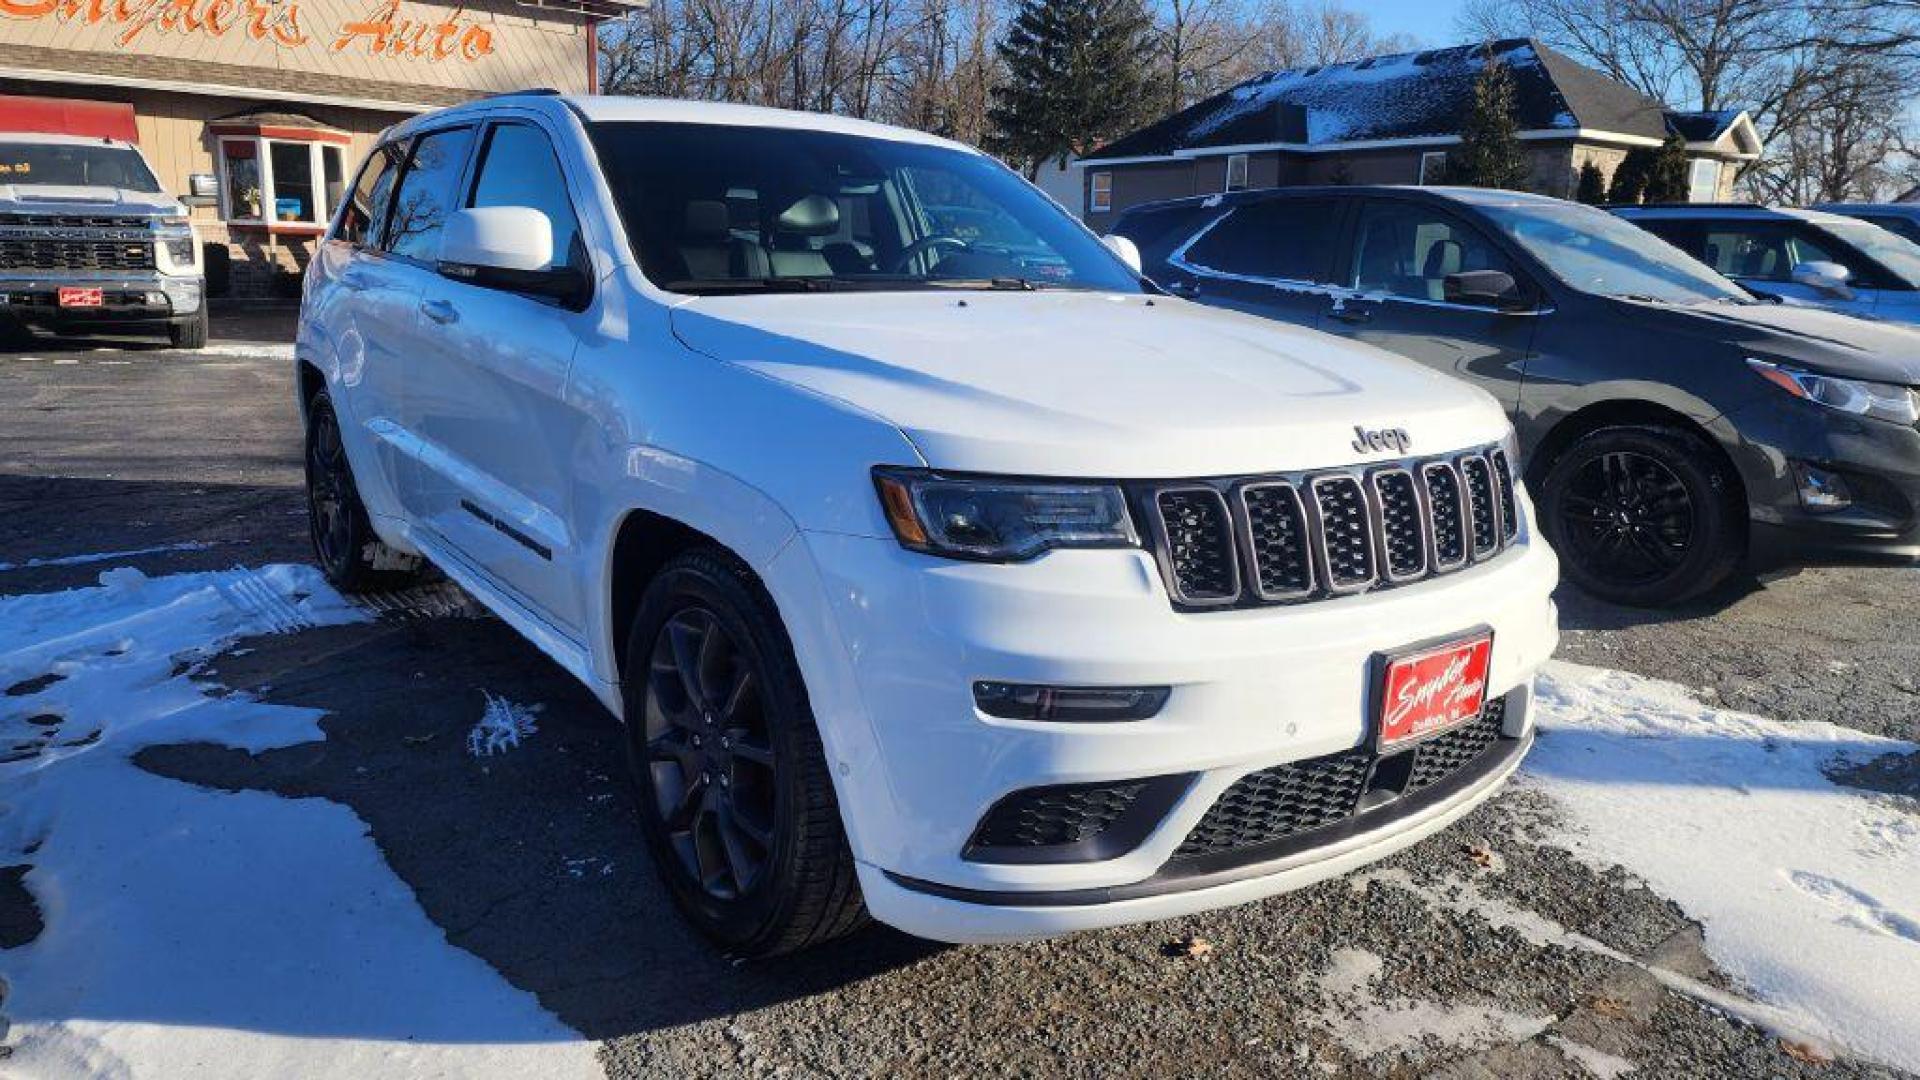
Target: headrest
x,y
813,215
706,220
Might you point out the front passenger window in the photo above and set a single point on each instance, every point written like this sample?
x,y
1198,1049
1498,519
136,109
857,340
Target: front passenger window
x,y
518,169
426,191
1408,250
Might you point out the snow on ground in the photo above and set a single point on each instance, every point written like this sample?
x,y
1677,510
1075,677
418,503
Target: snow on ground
x,y
501,727
191,932
1809,891
106,556
1370,1023
264,350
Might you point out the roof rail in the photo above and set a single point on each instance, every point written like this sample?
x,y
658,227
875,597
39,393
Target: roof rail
x,y
1686,206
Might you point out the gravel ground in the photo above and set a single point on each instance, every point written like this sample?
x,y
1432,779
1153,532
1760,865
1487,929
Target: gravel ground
x,y
1432,963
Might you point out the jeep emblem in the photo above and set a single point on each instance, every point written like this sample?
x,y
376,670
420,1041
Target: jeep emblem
x,y
1396,439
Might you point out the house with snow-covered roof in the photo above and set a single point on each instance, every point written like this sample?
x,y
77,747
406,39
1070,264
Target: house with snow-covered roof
x,y
1392,120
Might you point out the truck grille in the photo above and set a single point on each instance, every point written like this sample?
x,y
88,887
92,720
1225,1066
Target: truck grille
x,y
72,242
1247,541
1300,796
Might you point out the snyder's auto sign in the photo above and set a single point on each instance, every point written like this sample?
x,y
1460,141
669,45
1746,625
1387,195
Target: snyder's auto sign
x,y
381,31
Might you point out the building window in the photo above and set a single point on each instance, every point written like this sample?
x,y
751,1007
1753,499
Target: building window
x,y
1703,184
1236,172
1433,168
1099,192
275,181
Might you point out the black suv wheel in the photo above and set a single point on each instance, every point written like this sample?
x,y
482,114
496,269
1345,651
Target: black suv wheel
x,y
1647,517
734,792
344,543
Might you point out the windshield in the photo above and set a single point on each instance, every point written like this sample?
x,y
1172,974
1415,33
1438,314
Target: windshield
x,y
1898,255
1595,252
719,208
75,165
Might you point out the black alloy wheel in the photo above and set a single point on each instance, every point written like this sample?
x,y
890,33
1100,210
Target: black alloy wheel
x,y
350,553
1647,517
709,754
734,792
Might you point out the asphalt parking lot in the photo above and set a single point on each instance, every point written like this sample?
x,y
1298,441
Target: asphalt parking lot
x,y
187,462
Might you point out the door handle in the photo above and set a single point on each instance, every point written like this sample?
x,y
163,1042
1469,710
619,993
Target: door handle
x,y
439,311
1352,316
1187,289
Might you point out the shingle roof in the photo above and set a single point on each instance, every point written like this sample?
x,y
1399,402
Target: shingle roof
x,y
1403,96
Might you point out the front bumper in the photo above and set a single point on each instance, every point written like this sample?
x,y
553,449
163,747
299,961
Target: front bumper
x,y
917,765
128,299
1878,461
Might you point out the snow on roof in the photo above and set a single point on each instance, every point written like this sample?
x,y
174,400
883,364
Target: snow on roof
x,y
1402,96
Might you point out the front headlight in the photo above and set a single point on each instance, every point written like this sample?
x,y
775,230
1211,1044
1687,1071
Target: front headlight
x,y
1882,401
1001,520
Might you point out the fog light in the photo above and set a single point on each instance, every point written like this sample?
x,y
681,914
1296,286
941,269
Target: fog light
x,y
1018,701
156,299
1820,489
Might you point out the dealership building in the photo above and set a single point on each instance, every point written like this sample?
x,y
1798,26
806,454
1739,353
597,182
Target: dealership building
x,y
255,112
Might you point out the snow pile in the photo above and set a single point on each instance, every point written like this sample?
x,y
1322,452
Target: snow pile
x,y
501,727
1809,892
1368,1023
106,556
191,932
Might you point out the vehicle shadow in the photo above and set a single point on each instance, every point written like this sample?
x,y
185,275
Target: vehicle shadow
x,y
531,859
1581,610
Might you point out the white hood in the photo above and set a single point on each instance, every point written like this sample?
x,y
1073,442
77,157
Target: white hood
x,y
1091,385
76,199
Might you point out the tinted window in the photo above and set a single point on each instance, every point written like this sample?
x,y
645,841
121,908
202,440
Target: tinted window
x,y
723,208
367,208
1157,232
426,192
518,169
1406,249
1759,251
1280,239
79,165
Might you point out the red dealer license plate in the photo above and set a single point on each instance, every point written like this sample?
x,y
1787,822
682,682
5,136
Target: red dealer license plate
x,y
77,297
1430,690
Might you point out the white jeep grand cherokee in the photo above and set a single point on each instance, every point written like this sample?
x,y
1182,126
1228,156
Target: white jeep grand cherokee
x,y
939,567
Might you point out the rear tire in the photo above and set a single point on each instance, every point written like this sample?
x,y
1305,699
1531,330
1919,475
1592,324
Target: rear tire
x,y
349,552
192,333
735,796
1644,516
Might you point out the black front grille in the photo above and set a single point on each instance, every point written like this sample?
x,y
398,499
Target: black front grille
x,y
73,221
1312,535
20,253
1067,814
1277,529
1349,535
1199,545
1300,796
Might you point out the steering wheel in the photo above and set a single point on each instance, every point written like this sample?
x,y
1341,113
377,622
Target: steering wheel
x,y
922,246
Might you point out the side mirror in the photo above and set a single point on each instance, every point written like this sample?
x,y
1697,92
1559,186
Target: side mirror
x,y
1483,288
1829,278
508,248
1128,251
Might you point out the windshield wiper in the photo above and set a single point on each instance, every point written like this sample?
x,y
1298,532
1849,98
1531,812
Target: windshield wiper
x,y
1008,284
724,286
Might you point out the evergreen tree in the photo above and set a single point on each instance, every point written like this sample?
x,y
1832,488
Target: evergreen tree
x,y
1667,172
1593,185
1630,177
1490,154
1079,73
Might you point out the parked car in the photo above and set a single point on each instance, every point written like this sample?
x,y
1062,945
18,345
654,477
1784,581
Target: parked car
x,y
1011,606
90,242
1827,260
1901,219
1674,427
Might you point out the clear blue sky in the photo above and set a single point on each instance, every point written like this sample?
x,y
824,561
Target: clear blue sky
x,y
1430,22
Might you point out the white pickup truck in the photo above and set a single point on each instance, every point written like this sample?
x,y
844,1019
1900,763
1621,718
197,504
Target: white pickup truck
x,y
89,241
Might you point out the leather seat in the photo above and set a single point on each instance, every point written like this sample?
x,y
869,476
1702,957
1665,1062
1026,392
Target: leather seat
x,y
709,249
795,232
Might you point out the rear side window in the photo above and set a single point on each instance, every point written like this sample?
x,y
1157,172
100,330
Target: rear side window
x,y
518,168
426,193
366,209
1277,240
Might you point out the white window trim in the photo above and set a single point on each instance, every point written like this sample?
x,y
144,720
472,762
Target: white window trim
x,y
1241,161
1693,178
1420,177
263,156
1098,201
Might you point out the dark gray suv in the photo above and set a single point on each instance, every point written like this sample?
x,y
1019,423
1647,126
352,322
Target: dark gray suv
x,y
1676,428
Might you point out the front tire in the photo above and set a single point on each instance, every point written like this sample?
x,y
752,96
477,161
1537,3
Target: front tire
x,y
735,796
190,333
1645,517
349,552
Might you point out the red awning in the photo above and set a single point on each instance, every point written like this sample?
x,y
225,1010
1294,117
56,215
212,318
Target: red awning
x,y
68,116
